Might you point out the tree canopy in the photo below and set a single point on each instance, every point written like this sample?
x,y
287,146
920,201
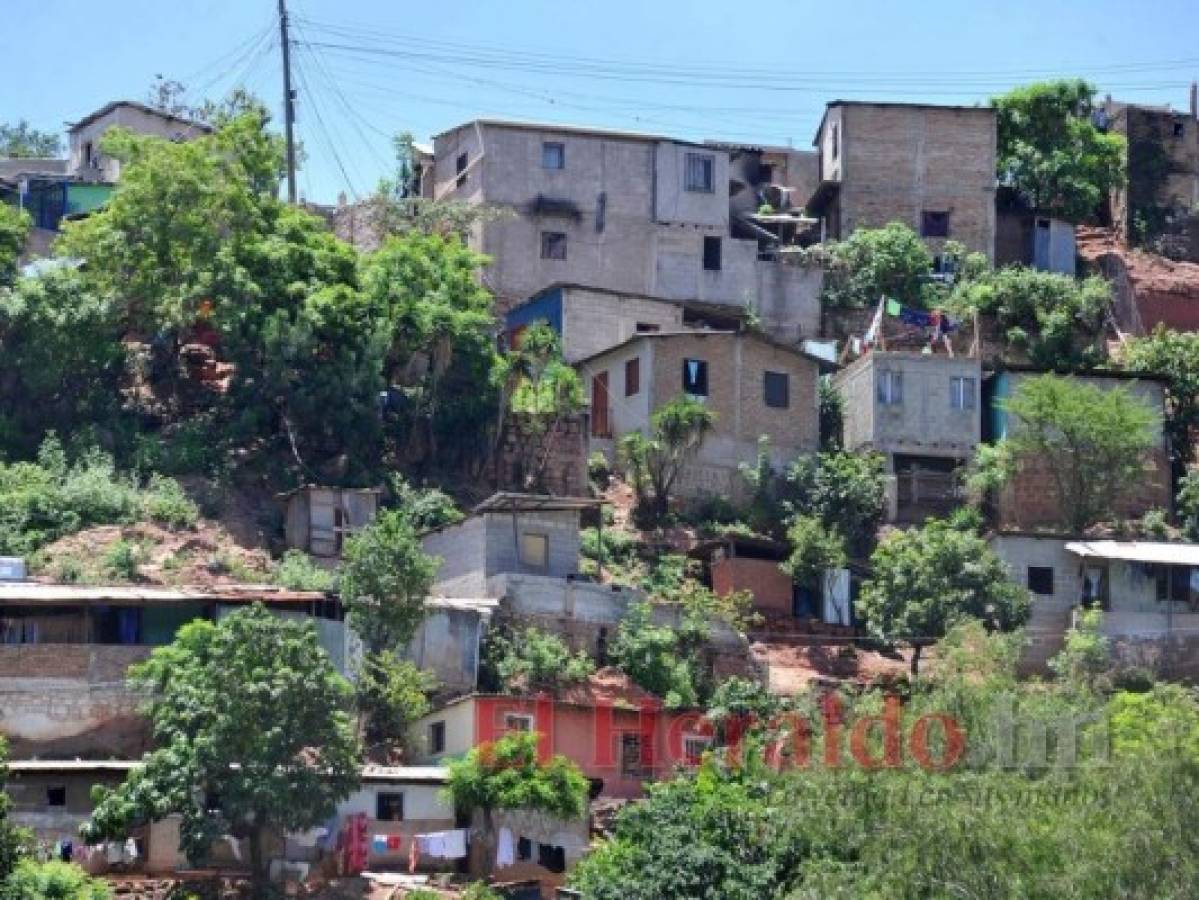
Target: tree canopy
x,y
253,731
1093,441
1051,153
22,141
891,261
1174,354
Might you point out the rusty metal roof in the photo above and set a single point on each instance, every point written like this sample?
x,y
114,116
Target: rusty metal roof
x,y
40,592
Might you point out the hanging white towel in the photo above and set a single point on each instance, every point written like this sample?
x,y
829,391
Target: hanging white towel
x,y
505,851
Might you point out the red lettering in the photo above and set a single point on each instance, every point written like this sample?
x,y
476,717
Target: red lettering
x,y
892,740
955,742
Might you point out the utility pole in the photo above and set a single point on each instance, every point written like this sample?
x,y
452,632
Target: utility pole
x,y
289,103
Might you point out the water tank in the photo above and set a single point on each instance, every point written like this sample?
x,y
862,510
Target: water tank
x,y
12,568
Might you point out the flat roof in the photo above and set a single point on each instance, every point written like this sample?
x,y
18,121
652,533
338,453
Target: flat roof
x,y
370,772
566,128
895,103
425,774
1138,551
1129,374
40,592
506,501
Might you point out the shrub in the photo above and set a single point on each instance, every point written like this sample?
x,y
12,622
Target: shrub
x,y
297,572
426,508
891,261
532,660
52,881
123,559
167,504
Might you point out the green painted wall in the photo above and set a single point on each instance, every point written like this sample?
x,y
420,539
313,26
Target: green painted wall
x,y
160,623
83,198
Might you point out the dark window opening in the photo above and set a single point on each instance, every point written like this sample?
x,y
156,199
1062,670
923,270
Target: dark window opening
x,y
553,155
1040,580
553,245
437,737
712,254
632,762
461,169
836,141
695,377
389,807
934,224
56,796
89,156
700,173
632,377
1179,129
551,857
776,388
524,849
647,328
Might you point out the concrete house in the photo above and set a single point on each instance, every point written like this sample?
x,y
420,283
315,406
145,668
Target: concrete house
x,y
1030,499
924,413
1024,237
65,650
756,387
638,213
1148,590
89,163
930,167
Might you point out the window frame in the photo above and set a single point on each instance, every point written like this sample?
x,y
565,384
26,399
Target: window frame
x,y
632,376
525,559
391,797
56,789
527,722
892,394
550,240
701,376
959,397
694,759
437,736
713,260
704,163
639,770
777,377
461,164
548,148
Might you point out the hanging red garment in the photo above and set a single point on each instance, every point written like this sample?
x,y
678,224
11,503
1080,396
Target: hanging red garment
x,y
355,848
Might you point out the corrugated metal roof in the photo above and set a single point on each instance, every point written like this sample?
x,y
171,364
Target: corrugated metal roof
x,y
1138,551
513,502
39,592
427,774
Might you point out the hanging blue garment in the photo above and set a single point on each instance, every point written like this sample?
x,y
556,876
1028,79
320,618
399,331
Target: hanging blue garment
x,y
127,626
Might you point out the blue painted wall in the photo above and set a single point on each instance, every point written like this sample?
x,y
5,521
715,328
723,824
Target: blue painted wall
x,y
544,307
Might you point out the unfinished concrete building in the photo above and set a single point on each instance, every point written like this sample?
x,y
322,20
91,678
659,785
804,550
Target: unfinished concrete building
x,y
755,386
923,412
638,213
1157,204
929,167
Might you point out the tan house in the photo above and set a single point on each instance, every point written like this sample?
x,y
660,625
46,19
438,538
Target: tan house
x,y
930,167
756,387
923,412
89,163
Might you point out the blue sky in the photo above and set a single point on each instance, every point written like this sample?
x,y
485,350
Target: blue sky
x,y
370,68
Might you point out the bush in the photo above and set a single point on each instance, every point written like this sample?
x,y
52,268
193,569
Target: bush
x,y
297,572
891,261
52,881
426,508
532,660
167,504
123,560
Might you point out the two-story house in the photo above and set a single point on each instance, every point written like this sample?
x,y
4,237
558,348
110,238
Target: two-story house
x,y
638,213
930,167
923,412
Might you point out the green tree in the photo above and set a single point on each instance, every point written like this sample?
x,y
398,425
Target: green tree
x,y
52,881
1058,321
875,262
1093,442
530,660
20,141
13,841
254,736
385,578
654,463
814,550
925,580
1175,355
1051,153
845,491
14,228
392,693
63,361
1085,658
508,774
832,415
662,659
1187,504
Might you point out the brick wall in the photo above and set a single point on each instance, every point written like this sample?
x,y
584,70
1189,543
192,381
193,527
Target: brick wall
x,y
553,463
770,586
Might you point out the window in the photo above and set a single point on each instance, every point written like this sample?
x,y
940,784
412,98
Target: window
x,y
535,550
524,849
890,388
631,763
1040,580
836,141
961,393
89,156
700,169
934,224
517,722
551,857
632,376
776,389
711,254
647,328
1179,129
56,796
695,377
389,807
694,747
553,245
437,737
460,167
553,155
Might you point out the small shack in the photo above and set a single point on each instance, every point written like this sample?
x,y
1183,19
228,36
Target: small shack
x,y
318,519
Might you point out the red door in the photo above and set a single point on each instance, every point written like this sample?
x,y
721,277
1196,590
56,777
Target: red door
x,y
600,425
